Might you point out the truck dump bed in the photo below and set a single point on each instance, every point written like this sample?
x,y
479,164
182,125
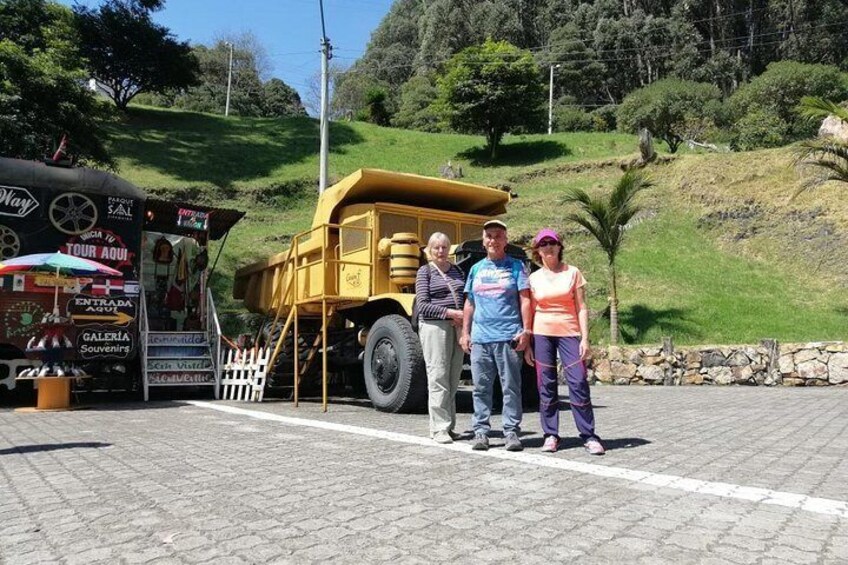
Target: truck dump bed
x,y
261,284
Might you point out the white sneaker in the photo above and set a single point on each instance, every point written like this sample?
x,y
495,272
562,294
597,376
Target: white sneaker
x,y
44,370
41,345
55,342
551,444
442,437
31,342
594,447
59,371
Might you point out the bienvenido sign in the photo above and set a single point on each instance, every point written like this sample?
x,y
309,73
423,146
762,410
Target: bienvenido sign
x,y
16,202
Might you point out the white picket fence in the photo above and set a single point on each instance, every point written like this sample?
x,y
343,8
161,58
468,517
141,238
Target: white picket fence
x,y
243,374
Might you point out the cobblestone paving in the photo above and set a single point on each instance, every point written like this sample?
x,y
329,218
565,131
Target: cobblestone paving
x,y
175,483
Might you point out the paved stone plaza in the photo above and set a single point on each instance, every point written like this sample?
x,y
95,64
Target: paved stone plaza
x,y
692,475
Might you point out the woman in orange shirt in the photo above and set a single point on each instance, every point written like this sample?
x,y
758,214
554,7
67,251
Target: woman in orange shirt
x,y
560,324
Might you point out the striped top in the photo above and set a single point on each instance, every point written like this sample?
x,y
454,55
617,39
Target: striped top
x,y
432,294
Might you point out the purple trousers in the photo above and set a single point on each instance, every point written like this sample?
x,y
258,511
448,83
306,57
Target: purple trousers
x,y
545,349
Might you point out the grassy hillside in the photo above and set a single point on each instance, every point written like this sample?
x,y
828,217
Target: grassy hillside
x,y
720,254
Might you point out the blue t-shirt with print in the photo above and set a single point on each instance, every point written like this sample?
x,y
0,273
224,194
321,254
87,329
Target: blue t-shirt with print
x,y
493,288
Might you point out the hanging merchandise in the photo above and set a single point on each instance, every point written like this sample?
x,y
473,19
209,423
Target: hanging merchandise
x,y
201,261
181,274
163,251
175,299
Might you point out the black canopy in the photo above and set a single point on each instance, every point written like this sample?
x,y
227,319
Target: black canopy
x,y
162,217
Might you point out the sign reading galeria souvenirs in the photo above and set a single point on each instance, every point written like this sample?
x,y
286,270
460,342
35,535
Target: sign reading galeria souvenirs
x,y
104,341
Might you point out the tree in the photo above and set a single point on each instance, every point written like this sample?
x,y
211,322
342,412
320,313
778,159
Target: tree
x,y
668,108
280,100
416,105
42,96
606,220
375,107
351,93
210,92
128,53
829,157
491,89
778,91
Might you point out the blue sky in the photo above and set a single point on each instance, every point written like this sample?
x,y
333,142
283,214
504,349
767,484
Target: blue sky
x,y
290,30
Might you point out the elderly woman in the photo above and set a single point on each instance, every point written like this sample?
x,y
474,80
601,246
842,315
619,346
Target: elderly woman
x,y
438,295
560,325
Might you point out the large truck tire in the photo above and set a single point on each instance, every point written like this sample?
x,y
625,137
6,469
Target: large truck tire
x,y
395,375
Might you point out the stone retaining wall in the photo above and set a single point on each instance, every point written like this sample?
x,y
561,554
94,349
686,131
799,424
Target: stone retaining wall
x,y
769,364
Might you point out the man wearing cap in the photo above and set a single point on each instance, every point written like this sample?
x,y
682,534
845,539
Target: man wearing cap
x,y
496,328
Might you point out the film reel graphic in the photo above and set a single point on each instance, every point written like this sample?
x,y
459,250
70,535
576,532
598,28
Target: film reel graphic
x,y
72,213
10,243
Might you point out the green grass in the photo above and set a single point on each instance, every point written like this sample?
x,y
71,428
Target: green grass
x,y
172,150
679,277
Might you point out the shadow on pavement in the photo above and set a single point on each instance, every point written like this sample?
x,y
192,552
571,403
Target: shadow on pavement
x,y
576,442
53,447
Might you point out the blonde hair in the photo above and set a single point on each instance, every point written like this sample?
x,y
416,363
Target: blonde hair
x,y
436,237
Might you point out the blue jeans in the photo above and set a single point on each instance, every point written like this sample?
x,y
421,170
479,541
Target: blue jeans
x,y
489,361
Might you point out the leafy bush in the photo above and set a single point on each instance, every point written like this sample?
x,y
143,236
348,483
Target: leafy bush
x,y
572,118
777,92
668,108
759,128
416,105
603,118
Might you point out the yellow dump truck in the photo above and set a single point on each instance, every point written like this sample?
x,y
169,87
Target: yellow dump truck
x,y
344,289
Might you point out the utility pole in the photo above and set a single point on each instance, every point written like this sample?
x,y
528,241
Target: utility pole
x,y
326,55
229,80
551,101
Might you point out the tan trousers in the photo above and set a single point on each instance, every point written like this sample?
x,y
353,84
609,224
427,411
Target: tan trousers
x,y
443,357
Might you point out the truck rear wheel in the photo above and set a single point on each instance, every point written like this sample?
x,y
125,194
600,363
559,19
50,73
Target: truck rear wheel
x,y
395,375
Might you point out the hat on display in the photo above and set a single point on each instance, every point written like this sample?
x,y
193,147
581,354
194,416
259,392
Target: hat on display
x,y
545,233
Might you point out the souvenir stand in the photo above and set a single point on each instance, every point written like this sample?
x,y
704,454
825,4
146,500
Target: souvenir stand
x,y
54,374
173,275
180,331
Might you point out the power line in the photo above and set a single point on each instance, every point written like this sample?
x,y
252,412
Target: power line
x,y
488,60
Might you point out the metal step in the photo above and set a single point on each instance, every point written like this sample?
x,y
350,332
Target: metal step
x,y
179,365
175,339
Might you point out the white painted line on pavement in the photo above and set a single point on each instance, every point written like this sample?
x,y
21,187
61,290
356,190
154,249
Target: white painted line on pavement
x,y
726,490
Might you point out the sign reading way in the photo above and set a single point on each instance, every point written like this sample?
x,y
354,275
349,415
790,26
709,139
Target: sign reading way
x,y
16,202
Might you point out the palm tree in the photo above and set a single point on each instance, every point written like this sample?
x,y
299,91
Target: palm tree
x,y
606,219
829,156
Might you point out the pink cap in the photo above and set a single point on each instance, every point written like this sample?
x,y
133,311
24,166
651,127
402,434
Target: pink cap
x,y
546,233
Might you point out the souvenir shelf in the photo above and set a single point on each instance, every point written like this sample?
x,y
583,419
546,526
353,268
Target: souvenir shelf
x,y
50,346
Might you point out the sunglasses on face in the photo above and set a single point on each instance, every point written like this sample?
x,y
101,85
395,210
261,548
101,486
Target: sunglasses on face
x,y
547,243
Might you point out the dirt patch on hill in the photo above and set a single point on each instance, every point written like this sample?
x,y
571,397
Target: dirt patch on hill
x,y
746,200
585,166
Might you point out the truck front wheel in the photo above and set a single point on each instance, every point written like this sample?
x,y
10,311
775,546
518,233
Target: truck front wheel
x,y
395,375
